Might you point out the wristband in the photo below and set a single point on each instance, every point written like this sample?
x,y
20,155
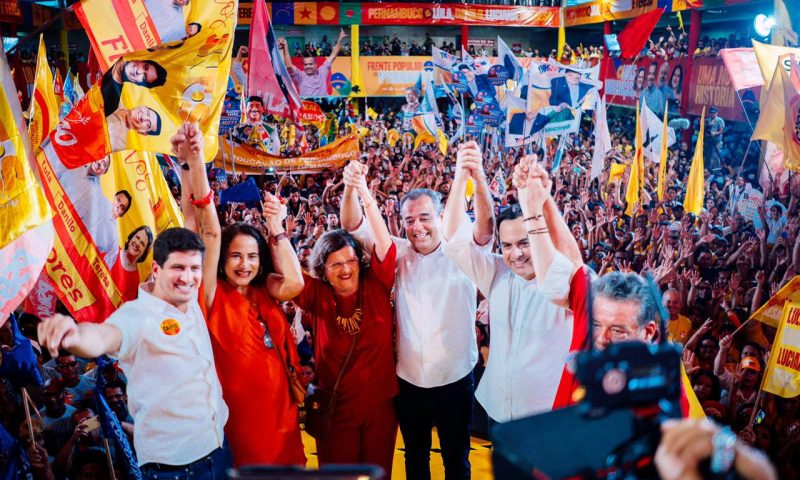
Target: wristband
x,y
274,239
533,217
722,457
203,201
185,166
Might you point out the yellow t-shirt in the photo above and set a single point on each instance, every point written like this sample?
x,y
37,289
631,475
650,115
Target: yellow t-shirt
x,y
679,330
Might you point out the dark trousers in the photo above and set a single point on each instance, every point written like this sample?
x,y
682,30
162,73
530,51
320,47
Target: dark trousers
x,y
449,409
211,467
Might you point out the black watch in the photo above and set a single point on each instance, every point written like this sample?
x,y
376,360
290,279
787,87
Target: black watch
x,y
185,166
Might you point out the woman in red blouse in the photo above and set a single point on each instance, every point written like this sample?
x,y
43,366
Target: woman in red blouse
x,y
126,269
243,280
348,301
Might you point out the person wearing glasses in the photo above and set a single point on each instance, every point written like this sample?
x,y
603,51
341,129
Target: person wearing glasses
x,y
348,302
68,368
528,286
253,347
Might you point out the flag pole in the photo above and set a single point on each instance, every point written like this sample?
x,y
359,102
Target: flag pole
x,y
108,459
28,419
233,156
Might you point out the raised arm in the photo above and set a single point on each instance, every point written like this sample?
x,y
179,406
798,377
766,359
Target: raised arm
x,y
350,211
286,282
336,47
87,340
469,165
355,179
533,185
287,59
187,145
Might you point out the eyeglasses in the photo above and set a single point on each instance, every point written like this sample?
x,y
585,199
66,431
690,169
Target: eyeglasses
x,y
339,266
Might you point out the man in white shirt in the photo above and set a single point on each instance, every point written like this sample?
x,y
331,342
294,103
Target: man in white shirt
x,y
527,287
436,347
162,343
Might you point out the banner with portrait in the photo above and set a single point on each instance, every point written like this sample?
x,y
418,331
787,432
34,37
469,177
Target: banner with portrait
x,y
107,214
654,81
245,159
144,97
551,103
118,27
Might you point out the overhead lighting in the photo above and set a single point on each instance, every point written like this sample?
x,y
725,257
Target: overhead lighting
x,y
763,25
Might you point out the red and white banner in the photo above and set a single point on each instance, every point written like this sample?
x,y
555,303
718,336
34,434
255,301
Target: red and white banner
x,y
397,13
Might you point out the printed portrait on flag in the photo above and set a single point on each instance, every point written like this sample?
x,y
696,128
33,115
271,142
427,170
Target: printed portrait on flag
x,y
653,81
410,108
253,131
145,96
554,99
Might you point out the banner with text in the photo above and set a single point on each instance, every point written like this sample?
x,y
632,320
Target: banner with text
x,y
243,158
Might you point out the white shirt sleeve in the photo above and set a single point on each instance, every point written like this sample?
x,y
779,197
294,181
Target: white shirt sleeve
x,y
365,236
476,261
131,329
555,285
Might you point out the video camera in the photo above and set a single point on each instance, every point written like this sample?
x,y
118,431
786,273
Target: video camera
x,y
628,388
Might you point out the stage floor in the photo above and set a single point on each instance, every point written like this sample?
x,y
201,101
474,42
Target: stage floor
x,y
480,457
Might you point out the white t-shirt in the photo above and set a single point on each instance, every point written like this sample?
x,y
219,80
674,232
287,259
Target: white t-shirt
x,y
175,397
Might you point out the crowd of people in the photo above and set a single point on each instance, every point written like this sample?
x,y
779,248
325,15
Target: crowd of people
x,y
351,280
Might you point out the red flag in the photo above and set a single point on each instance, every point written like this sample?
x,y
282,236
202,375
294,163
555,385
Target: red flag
x,y
633,37
267,76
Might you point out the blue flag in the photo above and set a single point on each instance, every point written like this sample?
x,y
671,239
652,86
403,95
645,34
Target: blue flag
x,y
20,364
110,424
13,460
242,193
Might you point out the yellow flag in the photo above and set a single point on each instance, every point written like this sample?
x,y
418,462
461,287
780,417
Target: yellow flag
x,y
392,136
662,166
782,376
44,105
768,56
637,170
770,313
782,32
770,121
372,113
470,190
791,110
680,21
22,202
356,81
695,409
562,36
617,170
151,204
443,143
695,191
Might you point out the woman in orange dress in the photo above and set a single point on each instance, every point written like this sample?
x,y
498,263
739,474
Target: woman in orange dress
x,y
253,346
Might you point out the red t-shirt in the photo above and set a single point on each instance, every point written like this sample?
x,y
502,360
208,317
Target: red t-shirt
x,y
370,377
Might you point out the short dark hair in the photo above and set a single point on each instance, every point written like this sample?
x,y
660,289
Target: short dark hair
x,y
417,193
161,75
512,212
127,195
620,286
176,239
87,457
329,243
157,130
149,233
255,98
116,384
264,259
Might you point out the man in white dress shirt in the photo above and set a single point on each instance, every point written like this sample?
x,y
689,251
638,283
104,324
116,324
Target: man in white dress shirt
x,y
436,346
527,287
162,343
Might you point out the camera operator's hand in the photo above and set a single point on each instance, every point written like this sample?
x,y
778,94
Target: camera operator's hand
x,y
685,443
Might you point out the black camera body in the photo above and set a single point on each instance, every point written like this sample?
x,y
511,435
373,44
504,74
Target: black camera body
x,y
629,389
